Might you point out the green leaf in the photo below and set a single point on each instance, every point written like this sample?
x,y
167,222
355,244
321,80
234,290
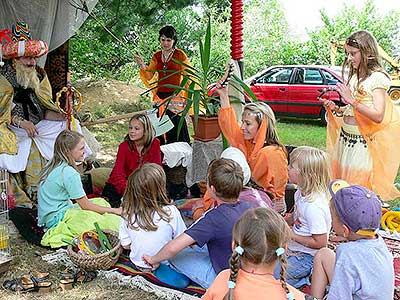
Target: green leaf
x,y
246,88
184,113
207,49
196,105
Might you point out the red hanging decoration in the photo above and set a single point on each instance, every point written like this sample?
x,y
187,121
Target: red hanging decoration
x,y
237,29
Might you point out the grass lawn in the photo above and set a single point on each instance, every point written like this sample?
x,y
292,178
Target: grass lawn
x,y
300,132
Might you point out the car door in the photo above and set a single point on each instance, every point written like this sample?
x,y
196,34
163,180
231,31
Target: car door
x,y
272,87
331,80
304,90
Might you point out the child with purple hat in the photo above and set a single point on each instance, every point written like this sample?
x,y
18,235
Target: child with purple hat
x,y
362,267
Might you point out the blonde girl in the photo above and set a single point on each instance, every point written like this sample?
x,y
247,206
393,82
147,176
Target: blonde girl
x,y
59,186
139,147
258,139
311,219
149,218
259,239
360,136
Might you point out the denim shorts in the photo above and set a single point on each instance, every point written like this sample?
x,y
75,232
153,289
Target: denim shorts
x,y
299,269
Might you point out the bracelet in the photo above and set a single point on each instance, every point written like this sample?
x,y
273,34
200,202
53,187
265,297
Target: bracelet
x,y
16,121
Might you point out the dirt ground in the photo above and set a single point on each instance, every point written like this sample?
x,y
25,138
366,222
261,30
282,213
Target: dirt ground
x,y
103,98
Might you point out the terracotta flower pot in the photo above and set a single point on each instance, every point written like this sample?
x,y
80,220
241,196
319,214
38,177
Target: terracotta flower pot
x,y
206,129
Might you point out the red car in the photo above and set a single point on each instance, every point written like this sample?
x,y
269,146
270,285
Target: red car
x,y
292,90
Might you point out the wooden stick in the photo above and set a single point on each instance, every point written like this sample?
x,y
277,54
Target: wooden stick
x,y
113,118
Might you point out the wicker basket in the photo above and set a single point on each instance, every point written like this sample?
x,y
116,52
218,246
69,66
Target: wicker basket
x,y
102,261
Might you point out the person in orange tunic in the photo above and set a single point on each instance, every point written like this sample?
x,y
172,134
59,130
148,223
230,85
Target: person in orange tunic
x,y
363,136
164,70
258,139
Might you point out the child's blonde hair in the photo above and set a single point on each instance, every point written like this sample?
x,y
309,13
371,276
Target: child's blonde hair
x,y
261,110
313,168
370,59
262,234
145,194
148,132
65,142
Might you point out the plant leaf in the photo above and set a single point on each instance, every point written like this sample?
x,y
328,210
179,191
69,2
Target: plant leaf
x,y
246,88
207,49
183,114
196,105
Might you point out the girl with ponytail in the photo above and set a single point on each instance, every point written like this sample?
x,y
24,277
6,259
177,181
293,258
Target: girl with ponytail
x,y
260,237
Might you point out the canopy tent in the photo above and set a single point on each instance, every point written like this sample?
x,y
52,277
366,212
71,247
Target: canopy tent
x,y
52,21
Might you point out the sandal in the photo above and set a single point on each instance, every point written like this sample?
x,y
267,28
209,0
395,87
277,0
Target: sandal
x,y
28,283
66,284
22,284
39,276
75,275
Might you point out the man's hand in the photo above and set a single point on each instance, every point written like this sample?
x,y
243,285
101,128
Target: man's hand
x,y
30,128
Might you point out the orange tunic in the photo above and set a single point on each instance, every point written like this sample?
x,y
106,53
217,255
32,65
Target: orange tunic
x,y
158,81
250,286
383,143
268,164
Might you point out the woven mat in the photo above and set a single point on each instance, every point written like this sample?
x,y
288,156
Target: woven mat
x,y
125,266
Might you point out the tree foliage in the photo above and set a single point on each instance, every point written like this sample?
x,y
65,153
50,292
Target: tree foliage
x,y
385,28
266,34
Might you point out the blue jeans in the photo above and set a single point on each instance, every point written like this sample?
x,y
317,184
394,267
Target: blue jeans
x,y
298,269
195,263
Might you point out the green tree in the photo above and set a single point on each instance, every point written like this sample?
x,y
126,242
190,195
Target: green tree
x,y
265,35
385,28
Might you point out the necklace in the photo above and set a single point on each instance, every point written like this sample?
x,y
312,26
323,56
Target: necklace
x,y
166,57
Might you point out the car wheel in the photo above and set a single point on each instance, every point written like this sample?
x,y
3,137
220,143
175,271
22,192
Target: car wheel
x,y
323,116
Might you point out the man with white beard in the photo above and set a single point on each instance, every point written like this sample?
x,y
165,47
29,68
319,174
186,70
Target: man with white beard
x,y
29,119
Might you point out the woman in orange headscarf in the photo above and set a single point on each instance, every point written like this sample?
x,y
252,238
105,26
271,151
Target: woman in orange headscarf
x,y
258,139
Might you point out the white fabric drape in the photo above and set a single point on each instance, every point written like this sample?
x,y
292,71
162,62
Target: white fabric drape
x,y
52,21
48,132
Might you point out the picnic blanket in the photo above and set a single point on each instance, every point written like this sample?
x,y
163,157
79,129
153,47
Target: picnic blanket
x,y
125,266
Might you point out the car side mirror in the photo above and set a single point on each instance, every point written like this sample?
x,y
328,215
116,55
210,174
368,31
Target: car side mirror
x,y
253,82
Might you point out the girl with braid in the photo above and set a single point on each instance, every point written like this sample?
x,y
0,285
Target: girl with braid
x,y
259,239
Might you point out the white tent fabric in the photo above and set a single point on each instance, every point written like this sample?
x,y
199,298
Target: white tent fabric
x,y
52,21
